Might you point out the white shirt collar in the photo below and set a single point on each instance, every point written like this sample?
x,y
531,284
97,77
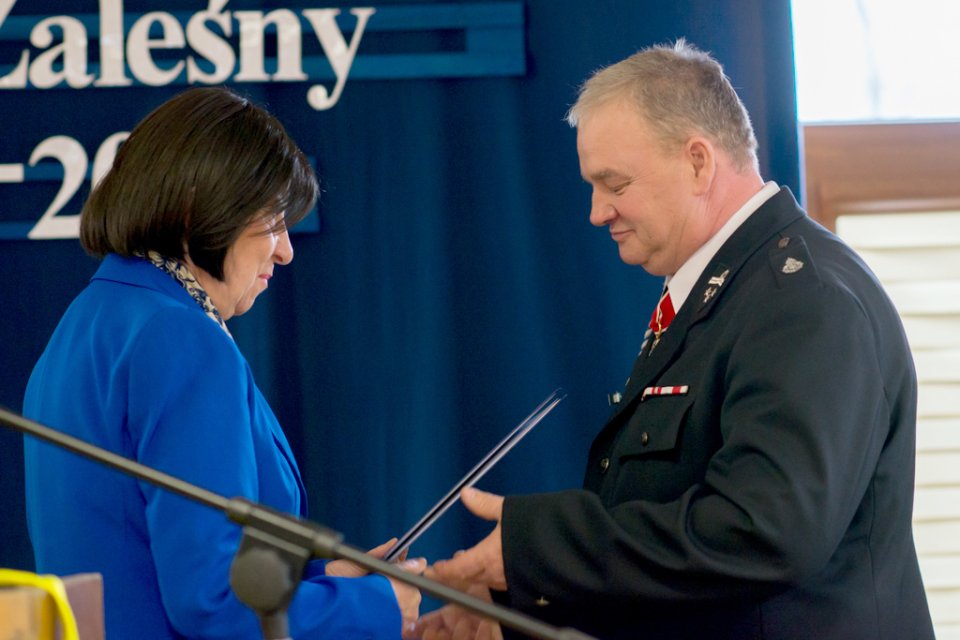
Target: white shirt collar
x,y
681,283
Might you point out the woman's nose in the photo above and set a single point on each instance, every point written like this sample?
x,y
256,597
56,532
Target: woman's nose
x,y
283,254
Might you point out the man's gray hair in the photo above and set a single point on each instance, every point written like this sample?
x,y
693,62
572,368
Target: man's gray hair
x,y
679,90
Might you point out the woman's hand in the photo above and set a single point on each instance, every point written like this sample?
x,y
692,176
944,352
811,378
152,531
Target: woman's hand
x,y
408,597
347,569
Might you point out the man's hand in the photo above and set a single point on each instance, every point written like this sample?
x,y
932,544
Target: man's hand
x,y
455,623
483,564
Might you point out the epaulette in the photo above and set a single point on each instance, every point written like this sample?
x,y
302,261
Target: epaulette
x,y
791,261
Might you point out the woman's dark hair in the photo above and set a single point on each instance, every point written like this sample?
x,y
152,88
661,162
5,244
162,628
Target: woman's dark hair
x,y
190,178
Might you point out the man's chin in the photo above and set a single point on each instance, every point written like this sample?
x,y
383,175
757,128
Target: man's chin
x,y
631,258
644,262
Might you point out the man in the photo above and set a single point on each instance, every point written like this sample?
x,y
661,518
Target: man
x,y
756,478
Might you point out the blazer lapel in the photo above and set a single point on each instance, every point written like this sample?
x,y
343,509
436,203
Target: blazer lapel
x,y
775,214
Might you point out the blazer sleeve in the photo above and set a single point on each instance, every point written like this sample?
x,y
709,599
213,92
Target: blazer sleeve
x,y
191,411
803,417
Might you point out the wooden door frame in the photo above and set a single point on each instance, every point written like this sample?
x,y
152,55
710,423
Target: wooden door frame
x,y
880,168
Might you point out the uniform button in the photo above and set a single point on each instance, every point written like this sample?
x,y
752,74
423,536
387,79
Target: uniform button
x,y
604,465
644,438
783,243
542,602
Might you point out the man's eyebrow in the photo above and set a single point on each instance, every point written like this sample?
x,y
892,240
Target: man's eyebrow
x,y
603,175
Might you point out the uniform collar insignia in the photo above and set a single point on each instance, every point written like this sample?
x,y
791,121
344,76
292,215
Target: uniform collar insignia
x,y
792,265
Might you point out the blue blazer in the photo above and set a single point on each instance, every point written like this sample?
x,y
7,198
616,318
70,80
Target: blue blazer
x,y
769,496
136,367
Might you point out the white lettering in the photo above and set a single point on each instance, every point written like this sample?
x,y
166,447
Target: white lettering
x,y
103,159
341,56
253,24
210,57
16,79
139,45
112,69
73,158
73,50
210,45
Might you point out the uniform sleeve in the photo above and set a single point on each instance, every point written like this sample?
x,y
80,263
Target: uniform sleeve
x,y
803,420
191,401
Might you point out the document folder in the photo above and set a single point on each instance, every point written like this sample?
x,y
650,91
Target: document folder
x,y
492,457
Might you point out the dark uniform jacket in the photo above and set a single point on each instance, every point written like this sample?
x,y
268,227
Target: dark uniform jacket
x,y
756,480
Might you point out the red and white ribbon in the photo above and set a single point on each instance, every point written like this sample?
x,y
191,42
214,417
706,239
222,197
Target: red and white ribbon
x,y
679,390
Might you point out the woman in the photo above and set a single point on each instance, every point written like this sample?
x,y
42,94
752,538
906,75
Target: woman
x,y
191,222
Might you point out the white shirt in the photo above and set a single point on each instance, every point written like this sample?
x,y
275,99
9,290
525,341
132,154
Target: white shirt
x,y
681,283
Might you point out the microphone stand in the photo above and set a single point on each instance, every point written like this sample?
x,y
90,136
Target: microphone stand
x,y
276,546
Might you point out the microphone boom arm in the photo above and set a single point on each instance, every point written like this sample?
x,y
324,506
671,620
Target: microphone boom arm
x,y
294,539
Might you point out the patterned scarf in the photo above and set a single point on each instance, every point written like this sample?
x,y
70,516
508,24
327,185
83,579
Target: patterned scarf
x,y
182,274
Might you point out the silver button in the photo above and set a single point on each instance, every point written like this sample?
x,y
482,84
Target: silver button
x,y
604,465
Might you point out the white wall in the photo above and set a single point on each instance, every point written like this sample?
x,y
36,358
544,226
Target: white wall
x,y
917,257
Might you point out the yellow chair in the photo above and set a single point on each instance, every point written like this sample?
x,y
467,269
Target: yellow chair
x,y
30,612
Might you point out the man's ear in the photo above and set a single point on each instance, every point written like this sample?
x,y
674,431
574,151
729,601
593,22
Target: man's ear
x,y
701,156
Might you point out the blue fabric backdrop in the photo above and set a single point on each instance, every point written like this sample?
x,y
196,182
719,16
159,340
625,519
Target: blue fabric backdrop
x,y
455,281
